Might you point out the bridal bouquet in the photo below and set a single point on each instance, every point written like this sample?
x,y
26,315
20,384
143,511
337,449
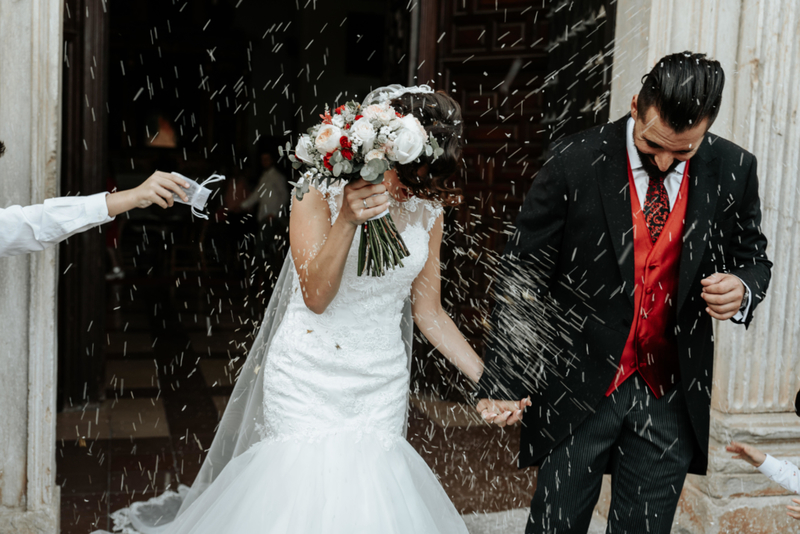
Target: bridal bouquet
x,y
363,143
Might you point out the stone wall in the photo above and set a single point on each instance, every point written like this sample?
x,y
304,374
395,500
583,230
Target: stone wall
x,y
756,372
30,74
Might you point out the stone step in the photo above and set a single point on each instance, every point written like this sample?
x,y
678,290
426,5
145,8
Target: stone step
x,y
513,522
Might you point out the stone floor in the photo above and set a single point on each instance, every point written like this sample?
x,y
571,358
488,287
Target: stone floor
x,y
173,350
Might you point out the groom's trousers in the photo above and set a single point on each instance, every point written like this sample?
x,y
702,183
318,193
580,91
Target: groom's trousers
x,y
645,443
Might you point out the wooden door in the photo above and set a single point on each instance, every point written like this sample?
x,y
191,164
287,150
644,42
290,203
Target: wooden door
x,y
82,300
513,66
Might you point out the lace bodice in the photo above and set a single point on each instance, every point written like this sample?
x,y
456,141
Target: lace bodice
x,y
376,299
347,368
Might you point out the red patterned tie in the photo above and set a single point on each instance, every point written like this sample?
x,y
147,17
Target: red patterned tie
x,y
656,207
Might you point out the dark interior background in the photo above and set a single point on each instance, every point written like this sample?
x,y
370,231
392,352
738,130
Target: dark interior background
x,y
225,75
214,79
221,76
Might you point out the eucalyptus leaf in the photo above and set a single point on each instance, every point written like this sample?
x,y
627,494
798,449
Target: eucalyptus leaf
x,y
280,150
296,164
376,165
428,150
337,169
366,172
288,146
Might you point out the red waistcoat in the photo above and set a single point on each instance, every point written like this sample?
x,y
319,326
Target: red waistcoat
x,y
651,348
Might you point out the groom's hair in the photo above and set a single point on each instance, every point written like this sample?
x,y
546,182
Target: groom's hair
x,y
685,88
2,149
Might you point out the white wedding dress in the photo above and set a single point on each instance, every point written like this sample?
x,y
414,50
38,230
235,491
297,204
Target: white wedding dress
x,y
330,456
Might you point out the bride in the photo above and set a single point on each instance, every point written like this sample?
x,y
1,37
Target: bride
x,y
312,440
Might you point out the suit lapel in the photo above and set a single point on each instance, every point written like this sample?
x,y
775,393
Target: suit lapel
x,y
611,170
700,207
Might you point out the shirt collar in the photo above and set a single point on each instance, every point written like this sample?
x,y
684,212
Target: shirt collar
x,y
633,155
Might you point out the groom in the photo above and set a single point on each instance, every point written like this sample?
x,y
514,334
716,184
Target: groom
x,y
632,238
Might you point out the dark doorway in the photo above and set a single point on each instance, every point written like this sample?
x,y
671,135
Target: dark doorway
x,y
147,359
158,308
526,73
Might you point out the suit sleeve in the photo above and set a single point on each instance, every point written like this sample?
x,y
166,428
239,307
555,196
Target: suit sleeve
x,y
747,249
517,328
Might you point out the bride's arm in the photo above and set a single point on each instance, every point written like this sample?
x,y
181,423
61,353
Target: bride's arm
x,y
441,331
319,249
432,320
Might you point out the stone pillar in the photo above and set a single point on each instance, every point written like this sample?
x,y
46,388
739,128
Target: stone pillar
x,y
756,372
30,76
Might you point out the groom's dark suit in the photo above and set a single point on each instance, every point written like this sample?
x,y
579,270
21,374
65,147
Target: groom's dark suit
x,y
571,264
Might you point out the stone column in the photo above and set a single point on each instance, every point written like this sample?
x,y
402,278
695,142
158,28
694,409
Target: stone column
x,y
30,76
756,372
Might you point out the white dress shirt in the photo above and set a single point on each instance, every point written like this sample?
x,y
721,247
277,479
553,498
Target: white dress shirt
x,y
784,473
33,228
672,183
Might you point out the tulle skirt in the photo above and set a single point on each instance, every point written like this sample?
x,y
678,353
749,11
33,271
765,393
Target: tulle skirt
x,y
344,484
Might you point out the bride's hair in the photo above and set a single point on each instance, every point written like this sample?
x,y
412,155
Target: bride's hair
x,y
440,115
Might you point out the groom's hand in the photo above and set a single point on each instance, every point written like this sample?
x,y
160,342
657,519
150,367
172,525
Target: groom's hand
x,y
502,413
723,293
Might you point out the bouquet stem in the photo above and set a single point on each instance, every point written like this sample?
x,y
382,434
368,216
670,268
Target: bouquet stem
x,y
381,247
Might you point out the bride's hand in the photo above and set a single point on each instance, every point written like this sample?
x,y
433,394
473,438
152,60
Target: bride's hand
x,y
363,201
502,413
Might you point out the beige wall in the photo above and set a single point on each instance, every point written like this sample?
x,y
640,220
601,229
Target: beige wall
x,y
30,63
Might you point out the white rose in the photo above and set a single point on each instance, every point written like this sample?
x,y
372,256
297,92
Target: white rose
x,y
374,154
410,140
364,132
338,121
382,112
301,150
371,112
387,116
327,139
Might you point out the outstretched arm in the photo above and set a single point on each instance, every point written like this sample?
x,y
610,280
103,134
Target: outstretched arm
x,y
782,472
157,189
432,320
442,332
33,228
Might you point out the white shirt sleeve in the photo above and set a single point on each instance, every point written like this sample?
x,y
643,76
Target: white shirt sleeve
x,y
741,315
784,473
32,228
